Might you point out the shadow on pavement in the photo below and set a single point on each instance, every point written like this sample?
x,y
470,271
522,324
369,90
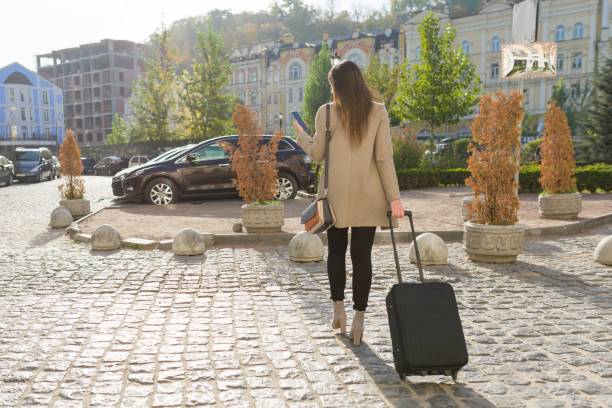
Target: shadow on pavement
x,y
43,238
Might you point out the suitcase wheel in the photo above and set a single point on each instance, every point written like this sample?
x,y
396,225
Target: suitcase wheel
x,y
454,375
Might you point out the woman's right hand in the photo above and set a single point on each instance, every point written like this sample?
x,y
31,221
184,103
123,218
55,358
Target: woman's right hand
x,y
397,209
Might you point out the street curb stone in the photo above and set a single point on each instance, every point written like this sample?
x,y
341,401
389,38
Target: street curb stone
x,y
84,238
138,243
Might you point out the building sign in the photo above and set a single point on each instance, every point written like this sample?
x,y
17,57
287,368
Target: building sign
x,y
535,60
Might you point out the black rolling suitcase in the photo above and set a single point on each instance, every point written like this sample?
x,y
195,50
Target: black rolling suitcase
x,y
426,330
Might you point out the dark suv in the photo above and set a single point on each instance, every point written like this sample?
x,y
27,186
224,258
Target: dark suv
x,y
33,164
204,170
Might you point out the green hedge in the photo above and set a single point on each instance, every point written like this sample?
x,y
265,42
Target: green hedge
x,y
588,178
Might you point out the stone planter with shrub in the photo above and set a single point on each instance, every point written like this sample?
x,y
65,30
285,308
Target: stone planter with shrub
x,y
254,164
72,189
559,200
492,234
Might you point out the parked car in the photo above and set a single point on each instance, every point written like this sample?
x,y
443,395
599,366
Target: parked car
x,y
33,164
204,170
109,166
57,167
88,165
7,171
165,155
138,160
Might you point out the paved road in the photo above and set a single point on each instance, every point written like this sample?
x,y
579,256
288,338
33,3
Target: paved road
x,y
244,327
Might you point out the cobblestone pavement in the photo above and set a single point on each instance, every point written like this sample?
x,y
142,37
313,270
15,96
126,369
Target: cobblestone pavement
x,y
244,327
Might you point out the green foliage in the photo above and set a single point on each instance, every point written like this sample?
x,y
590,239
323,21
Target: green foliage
x,y
208,107
296,15
407,153
154,98
575,106
383,80
593,178
455,157
598,136
317,90
530,152
443,87
119,133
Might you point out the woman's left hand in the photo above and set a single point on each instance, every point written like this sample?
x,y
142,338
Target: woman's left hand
x,y
297,127
397,209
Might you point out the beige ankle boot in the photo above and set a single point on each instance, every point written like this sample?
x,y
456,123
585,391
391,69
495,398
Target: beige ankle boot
x,y
357,328
339,321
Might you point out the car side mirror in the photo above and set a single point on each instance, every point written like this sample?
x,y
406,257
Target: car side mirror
x,y
191,157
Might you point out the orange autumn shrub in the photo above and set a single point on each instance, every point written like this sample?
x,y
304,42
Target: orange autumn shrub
x,y
558,166
73,187
253,162
494,162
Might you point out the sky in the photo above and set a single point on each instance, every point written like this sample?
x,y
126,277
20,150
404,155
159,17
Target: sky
x,y
31,27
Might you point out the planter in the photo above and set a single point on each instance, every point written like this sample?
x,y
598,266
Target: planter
x,y
560,206
78,208
493,243
263,217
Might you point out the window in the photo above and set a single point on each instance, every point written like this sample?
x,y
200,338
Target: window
x,y
240,77
80,138
12,94
45,97
295,71
24,132
31,116
121,91
241,97
211,152
495,44
270,99
290,95
253,97
275,99
77,81
526,96
300,94
560,59
574,90
99,136
253,75
21,96
120,79
46,115
47,133
560,33
96,78
465,46
578,30
494,70
417,53
23,114
577,60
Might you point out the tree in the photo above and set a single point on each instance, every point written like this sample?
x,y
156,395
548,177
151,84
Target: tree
x,y
402,9
253,162
317,90
598,136
154,100
119,133
298,17
492,163
558,163
574,104
207,104
73,187
384,79
443,87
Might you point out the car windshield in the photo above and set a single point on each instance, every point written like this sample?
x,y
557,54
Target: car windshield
x,y
27,155
171,154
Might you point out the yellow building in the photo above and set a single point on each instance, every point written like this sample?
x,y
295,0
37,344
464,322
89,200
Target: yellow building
x,y
580,29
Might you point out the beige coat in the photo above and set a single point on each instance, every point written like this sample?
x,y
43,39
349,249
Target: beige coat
x,y
362,180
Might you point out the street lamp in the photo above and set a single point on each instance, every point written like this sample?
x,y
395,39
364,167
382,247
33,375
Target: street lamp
x,y
280,120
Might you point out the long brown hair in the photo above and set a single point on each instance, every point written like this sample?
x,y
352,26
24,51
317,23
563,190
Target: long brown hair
x,y
352,97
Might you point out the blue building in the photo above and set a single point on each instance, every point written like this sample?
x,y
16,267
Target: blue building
x,y
31,109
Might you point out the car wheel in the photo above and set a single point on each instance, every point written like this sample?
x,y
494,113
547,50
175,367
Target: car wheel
x,y
40,176
161,192
10,179
286,187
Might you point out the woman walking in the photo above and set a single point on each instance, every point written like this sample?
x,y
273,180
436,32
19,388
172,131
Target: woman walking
x,y
362,184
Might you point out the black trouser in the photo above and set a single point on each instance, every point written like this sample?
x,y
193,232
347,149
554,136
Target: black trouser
x,y
362,239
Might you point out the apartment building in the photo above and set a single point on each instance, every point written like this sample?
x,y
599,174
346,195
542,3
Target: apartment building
x,y
97,81
31,110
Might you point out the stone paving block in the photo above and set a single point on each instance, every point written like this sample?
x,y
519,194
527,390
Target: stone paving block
x,y
85,238
139,243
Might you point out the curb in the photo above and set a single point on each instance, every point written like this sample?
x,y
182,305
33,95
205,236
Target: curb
x,y
283,238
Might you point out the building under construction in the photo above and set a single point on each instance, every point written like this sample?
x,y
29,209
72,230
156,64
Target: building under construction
x,y
97,80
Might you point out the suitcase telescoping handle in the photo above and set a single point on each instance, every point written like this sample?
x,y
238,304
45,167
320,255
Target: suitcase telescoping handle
x,y
414,241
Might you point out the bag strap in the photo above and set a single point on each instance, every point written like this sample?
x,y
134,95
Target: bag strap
x,y
327,140
416,248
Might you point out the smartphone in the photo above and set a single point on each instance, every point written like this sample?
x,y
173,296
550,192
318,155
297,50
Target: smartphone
x,y
299,120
